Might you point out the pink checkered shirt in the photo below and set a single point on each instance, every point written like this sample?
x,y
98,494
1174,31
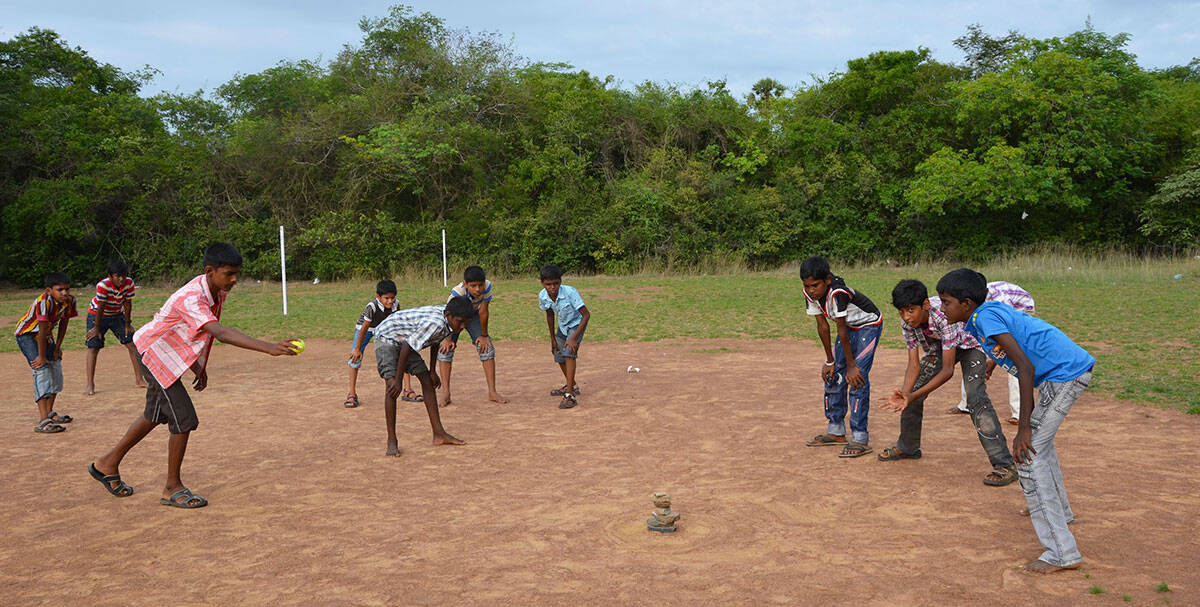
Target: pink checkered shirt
x,y
173,342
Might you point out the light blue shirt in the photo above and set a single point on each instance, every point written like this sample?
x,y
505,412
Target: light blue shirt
x,y
566,307
1054,356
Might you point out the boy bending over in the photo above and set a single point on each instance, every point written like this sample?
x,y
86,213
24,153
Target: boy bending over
x,y
35,338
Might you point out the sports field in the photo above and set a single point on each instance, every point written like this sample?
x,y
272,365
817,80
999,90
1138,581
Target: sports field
x,y
544,506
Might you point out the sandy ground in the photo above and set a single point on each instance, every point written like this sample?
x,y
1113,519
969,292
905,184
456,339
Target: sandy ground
x,y
545,506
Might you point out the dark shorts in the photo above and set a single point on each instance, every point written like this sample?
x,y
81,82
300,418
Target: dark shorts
x,y
116,324
387,354
562,354
171,405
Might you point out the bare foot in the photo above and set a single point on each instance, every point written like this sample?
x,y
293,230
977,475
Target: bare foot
x,y
446,439
1042,567
393,449
141,383
443,399
89,391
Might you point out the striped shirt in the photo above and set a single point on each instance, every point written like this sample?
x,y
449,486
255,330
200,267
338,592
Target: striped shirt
x,y
841,301
419,327
375,313
173,341
45,309
461,291
937,332
110,300
1011,294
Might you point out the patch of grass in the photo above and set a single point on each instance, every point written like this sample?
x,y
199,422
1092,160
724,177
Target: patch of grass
x,y
1162,587
1126,598
1125,310
1096,590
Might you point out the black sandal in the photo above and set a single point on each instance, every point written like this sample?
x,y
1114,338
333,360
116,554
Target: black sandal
x,y
121,490
563,390
184,498
855,450
47,426
568,401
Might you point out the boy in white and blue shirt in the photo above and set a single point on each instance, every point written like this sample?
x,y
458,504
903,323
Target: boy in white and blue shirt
x,y
477,289
1040,355
563,301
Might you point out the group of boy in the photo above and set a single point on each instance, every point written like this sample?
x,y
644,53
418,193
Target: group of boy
x,y
972,323
401,335
978,326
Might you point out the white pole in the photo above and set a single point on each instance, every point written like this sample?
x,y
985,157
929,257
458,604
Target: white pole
x,y
283,269
444,283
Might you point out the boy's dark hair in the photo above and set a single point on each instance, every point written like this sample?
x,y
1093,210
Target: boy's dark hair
x,y
815,267
551,272
220,254
385,286
474,274
909,292
56,278
963,284
118,267
460,307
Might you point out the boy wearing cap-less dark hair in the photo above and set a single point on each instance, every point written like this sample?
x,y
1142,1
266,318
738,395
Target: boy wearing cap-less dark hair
x,y
177,340
1043,356
399,340
925,327
54,306
847,367
564,302
478,290
111,310
379,308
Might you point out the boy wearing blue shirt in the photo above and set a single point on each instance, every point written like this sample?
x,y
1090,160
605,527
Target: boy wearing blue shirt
x,y
1040,355
564,301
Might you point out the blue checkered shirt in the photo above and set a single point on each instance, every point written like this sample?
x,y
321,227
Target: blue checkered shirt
x,y
419,327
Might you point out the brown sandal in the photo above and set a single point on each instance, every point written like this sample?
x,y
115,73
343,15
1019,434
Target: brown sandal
x,y
825,440
1001,477
854,450
351,401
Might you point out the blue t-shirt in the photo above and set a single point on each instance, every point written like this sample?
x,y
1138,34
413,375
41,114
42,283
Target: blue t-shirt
x,y
566,307
1054,356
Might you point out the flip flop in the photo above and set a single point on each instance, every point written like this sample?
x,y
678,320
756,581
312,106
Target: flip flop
x,y
121,490
351,401
411,396
891,454
60,419
184,498
563,390
825,440
568,401
47,426
854,450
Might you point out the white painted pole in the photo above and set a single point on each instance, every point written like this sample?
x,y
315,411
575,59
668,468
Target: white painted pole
x,y
444,283
283,269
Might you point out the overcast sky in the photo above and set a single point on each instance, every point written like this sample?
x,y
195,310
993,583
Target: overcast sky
x,y
201,45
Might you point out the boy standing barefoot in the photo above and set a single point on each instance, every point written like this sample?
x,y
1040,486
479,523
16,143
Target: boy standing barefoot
x,y
478,290
111,310
177,340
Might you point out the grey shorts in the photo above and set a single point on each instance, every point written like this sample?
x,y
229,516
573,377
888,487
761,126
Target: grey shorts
x,y
171,405
387,354
474,329
561,354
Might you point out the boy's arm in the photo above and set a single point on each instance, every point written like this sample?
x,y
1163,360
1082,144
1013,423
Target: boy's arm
x,y
233,337
62,334
573,341
853,377
823,332
127,307
437,380
40,336
356,349
896,401
483,328
1022,447
550,324
95,330
949,358
393,384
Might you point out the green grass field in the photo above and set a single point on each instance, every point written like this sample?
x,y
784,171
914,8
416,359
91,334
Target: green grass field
x,y
1131,313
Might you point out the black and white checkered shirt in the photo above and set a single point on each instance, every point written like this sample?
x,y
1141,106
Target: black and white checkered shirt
x,y
419,327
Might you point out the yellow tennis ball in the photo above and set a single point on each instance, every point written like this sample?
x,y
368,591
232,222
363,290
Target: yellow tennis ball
x,y
298,345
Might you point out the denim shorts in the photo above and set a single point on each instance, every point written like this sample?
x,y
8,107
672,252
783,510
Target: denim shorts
x,y
366,340
116,324
561,354
48,380
474,329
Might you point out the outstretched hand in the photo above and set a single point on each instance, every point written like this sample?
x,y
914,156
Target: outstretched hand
x,y
893,402
283,348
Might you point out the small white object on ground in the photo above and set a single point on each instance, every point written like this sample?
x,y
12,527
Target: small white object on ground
x,y
316,281
632,369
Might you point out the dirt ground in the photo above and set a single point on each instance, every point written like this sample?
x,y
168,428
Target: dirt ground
x,y
545,506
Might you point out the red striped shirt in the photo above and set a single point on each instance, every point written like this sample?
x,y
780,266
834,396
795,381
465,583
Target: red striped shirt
x,y
109,298
173,341
45,309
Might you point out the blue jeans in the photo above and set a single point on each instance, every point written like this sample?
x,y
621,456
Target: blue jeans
x,y
48,380
1042,481
839,396
116,324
